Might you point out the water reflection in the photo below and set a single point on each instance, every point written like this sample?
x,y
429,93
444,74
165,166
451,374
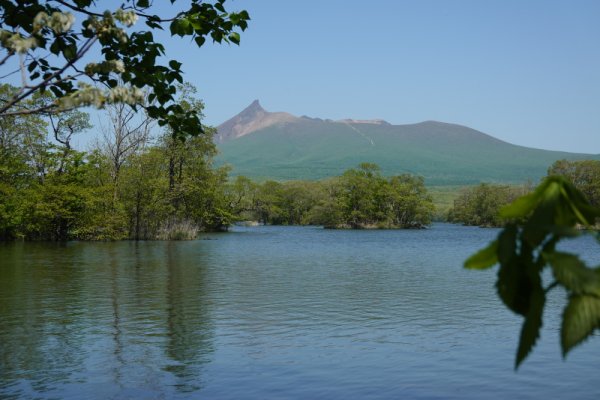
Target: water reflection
x,y
40,341
190,332
119,319
274,312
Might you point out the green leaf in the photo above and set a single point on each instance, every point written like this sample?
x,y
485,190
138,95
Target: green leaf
x,y
234,37
153,25
514,286
217,36
484,258
69,52
513,283
220,7
581,317
523,206
57,92
586,214
181,27
175,64
244,15
540,222
507,246
572,273
531,326
563,231
55,47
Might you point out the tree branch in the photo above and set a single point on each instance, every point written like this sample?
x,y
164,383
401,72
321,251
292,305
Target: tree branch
x,y
9,54
26,93
79,9
155,18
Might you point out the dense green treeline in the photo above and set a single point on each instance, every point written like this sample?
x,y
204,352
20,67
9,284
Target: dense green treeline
x,y
360,198
585,175
135,183
164,191
275,203
138,182
170,190
72,195
480,205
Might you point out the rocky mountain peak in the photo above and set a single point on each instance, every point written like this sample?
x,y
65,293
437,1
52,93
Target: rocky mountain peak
x,y
254,107
250,119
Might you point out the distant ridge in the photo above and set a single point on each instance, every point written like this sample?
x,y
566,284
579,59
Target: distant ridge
x,y
265,145
364,121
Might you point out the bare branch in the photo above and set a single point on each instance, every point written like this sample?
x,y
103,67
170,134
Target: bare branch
x,y
79,9
9,54
27,111
10,73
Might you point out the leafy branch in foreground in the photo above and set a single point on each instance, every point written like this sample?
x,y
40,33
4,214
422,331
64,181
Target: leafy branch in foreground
x,y
556,210
49,45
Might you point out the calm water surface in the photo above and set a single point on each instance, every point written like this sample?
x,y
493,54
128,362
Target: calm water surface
x,y
276,313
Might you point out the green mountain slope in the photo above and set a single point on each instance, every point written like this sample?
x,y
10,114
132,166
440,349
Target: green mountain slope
x,y
445,154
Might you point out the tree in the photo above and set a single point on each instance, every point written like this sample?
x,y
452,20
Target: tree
x,y
242,194
49,42
197,189
171,190
143,193
268,203
360,195
480,205
53,209
173,144
584,174
297,199
23,156
408,203
64,126
68,123
527,246
360,198
125,135
366,199
104,216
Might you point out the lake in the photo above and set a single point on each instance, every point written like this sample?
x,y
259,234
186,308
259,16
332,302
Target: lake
x,y
275,313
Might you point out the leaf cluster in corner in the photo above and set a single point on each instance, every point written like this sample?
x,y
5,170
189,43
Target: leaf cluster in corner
x,y
527,245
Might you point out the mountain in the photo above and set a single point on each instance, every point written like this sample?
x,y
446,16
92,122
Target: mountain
x,y
266,145
253,118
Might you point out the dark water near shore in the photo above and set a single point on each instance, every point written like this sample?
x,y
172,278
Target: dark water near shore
x,y
275,313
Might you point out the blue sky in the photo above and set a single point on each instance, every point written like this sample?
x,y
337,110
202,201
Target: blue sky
x,y
527,72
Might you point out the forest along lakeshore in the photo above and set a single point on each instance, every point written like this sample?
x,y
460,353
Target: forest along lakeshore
x,y
146,254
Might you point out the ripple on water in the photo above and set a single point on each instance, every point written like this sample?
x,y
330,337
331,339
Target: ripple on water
x,y
274,312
